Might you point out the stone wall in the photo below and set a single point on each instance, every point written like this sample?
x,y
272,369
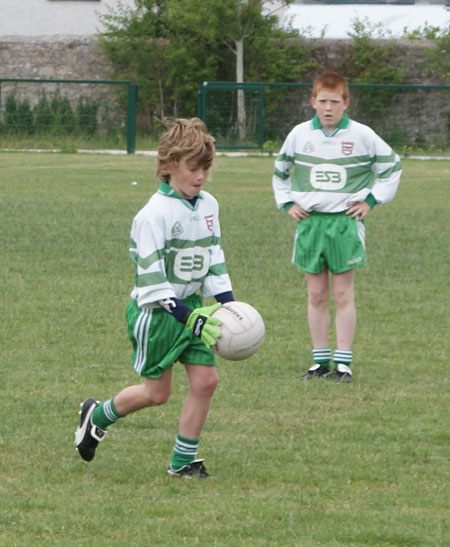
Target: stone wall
x,y
79,57
55,57
408,54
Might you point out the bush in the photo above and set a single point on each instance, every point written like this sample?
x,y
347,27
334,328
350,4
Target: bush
x,y
51,116
18,116
86,114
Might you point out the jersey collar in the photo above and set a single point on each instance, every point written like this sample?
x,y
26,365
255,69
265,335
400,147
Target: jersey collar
x,y
343,124
167,190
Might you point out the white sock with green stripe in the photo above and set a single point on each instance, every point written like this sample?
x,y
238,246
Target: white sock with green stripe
x,y
322,356
184,452
105,414
342,357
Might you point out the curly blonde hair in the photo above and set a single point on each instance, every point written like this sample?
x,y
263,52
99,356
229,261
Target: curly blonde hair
x,y
185,139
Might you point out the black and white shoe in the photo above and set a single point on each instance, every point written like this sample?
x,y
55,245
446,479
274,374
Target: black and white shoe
x,y
343,373
316,371
88,435
194,470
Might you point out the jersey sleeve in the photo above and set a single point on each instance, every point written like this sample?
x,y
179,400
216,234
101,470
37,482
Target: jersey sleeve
x,y
147,244
281,179
387,167
217,280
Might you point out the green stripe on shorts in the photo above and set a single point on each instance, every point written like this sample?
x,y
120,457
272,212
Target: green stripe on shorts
x,y
159,340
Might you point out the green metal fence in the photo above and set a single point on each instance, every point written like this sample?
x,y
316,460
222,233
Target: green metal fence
x,y
407,116
60,113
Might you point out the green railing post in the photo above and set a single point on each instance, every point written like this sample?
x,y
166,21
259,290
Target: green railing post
x,y
131,118
201,101
261,118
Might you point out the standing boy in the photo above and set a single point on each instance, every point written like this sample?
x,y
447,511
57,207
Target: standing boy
x,y
329,174
175,247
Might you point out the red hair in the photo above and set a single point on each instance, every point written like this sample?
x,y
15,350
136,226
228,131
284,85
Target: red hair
x,y
331,81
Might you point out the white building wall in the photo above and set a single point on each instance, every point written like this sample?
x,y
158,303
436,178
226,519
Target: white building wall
x,y
53,17
335,21
81,17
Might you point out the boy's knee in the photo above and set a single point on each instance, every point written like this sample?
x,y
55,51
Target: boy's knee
x,y
318,298
207,385
156,398
342,297
160,399
214,382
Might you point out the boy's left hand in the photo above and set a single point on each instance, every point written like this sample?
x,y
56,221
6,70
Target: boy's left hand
x,y
358,209
204,326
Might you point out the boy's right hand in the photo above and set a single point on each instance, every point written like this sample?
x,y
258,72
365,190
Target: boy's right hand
x,y
204,326
297,213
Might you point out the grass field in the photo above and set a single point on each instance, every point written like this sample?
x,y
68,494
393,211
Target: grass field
x,y
297,464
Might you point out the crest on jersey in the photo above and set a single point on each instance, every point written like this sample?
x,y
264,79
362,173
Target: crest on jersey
x,y
308,148
347,148
177,229
209,222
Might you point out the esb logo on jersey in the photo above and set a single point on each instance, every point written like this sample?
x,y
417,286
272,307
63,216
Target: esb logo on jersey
x,y
191,264
328,176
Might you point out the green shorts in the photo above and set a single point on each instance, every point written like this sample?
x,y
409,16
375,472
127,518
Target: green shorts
x,y
159,340
329,240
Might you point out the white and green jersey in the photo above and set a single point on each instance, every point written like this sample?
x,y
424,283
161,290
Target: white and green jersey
x,y
175,246
324,172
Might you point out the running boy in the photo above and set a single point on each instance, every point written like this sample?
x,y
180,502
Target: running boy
x,y
329,192
175,247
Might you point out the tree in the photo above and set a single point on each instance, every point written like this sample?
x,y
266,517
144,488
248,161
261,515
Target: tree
x,y
438,59
369,61
168,47
134,41
231,23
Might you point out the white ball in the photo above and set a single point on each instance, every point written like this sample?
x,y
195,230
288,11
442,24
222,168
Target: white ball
x,y
242,331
